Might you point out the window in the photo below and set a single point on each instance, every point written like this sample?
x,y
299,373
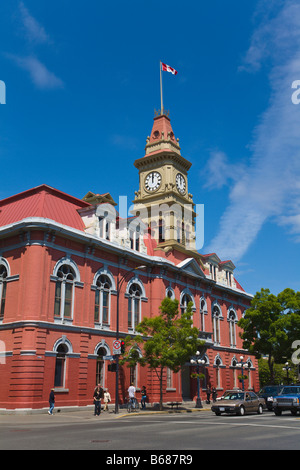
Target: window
x,y
100,366
134,236
64,288
218,365
232,333
134,305
104,227
216,314
60,365
3,278
186,298
133,375
203,310
229,278
169,378
170,293
102,300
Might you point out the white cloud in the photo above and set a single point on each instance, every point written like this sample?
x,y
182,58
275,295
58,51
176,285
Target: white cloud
x,y
34,31
219,172
39,74
269,186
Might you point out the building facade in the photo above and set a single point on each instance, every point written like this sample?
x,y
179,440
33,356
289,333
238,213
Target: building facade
x,y
61,262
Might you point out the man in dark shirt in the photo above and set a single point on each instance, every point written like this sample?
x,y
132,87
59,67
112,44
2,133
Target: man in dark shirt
x,y
51,401
98,394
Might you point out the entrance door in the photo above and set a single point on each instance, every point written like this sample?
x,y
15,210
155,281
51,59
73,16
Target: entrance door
x,y
186,383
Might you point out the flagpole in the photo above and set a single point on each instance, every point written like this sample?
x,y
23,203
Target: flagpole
x,y
161,93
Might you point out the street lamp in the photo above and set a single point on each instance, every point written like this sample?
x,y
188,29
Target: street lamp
x,y
119,285
198,362
287,368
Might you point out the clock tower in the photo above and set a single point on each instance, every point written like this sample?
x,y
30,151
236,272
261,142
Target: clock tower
x,y
163,201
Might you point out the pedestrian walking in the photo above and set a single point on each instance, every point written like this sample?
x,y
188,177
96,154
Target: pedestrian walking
x,y
208,392
51,402
214,394
131,394
144,397
106,400
98,395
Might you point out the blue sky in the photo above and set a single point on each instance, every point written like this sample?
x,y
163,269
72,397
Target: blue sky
x,y
82,83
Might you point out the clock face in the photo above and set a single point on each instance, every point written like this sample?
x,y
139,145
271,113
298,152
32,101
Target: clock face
x,y
152,181
180,183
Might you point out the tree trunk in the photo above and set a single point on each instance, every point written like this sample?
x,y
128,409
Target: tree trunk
x,y
161,389
271,368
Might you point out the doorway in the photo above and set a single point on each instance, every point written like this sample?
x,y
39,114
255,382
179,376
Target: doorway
x,y
186,383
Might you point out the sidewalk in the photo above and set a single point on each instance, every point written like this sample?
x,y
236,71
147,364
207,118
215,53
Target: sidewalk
x,y
88,412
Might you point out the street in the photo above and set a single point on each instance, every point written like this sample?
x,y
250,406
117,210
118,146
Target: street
x,y
177,432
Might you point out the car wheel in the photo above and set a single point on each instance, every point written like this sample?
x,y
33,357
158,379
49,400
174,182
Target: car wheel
x,y
277,412
260,409
241,411
218,413
294,412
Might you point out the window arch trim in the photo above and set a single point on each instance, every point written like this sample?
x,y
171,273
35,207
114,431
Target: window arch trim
x,y
136,280
187,291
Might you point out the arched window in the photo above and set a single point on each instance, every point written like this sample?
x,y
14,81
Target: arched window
x,y
218,363
161,230
216,314
60,365
3,279
170,293
64,290
203,311
100,366
185,298
102,300
184,302
232,319
134,305
234,365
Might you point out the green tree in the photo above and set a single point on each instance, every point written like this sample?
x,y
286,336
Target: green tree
x,y
167,340
271,325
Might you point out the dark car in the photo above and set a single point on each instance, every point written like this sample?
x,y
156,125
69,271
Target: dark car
x,y
238,403
287,400
268,392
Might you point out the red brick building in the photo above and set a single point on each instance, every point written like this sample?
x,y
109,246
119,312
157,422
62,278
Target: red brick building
x,y
60,261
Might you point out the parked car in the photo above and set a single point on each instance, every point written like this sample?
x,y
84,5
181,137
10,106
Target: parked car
x,y
268,392
287,400
227,392
239,403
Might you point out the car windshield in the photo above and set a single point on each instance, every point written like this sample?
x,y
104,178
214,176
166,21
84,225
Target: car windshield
x,y
290,391
269,390
234,396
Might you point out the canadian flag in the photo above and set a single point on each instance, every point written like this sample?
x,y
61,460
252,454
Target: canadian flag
x,y
167,68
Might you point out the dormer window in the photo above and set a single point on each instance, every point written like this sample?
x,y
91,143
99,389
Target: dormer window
x,y
229,278
213,271
104,227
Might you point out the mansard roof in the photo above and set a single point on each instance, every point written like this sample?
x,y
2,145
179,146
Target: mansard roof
x,y
43,201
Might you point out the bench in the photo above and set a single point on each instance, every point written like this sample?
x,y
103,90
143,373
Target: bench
x,y
174,403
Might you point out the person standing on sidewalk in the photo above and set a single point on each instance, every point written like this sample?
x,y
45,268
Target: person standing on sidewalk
x,y
131,393
144,396
107,399
98,395
51,402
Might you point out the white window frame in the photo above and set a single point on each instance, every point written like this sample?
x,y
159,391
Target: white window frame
x,y
75,283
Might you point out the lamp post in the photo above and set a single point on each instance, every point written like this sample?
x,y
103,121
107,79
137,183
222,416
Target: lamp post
x,y
198,362
287,368
119,285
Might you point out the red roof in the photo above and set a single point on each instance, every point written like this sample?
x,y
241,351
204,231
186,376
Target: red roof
x,y
42,201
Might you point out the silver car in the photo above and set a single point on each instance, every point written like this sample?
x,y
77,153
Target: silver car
x,y
239,403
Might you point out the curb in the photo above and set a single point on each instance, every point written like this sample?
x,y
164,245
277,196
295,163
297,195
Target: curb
x,y
145,413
